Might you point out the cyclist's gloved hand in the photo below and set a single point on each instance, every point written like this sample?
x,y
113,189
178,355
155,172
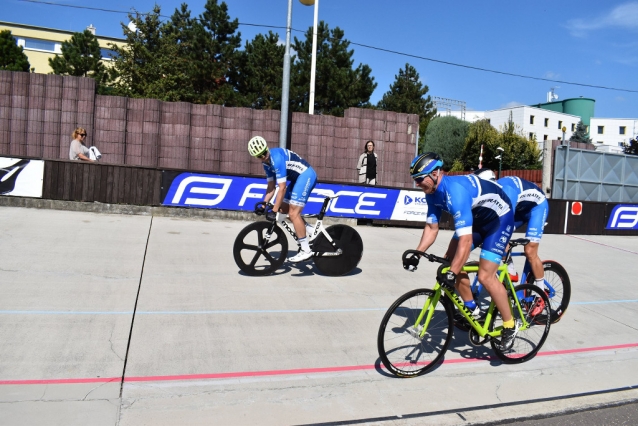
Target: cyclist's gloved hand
x,y
271,215
447,280
260,208
411,262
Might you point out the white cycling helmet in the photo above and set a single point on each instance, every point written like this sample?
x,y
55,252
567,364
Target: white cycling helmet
x,y
257,146
486,174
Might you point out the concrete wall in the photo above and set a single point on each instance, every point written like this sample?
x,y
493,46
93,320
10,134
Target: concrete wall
x,y
38,114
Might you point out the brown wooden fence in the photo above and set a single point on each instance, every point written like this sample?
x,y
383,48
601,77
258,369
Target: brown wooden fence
x,y
39,112
79,181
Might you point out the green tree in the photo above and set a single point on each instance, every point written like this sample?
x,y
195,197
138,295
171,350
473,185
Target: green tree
x,y
262,72
631,148
215,58
519,152
446,136
150,65
479,133
185,59
408,95
338,85
581,134
81,57
12,57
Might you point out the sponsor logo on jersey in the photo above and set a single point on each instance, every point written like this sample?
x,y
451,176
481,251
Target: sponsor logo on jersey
x,y
503,239
623,217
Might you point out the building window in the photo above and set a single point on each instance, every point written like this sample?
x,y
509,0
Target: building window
x,y
560,124
34,43
489,121
622,130
531,119
621,144
546,122
108,54
601,130
573,127
531,135
544,137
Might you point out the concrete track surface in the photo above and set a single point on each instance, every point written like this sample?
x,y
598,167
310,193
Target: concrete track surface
x,y
87,299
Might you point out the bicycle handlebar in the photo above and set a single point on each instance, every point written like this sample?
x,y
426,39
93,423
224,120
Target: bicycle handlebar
x,y
428,256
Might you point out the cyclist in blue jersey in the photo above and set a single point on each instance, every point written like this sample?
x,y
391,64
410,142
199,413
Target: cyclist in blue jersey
x,y
482,214
531,208
283,165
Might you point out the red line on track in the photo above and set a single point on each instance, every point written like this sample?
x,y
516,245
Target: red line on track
x,y
236,375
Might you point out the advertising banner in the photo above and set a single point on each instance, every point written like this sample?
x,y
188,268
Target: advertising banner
x,y
241,193
623,217
21,178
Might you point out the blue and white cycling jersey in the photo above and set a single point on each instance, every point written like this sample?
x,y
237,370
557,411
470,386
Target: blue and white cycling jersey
x,y
479,208
530,205
285,165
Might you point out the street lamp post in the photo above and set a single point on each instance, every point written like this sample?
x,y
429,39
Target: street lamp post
x,y
285,89
500,161
313,63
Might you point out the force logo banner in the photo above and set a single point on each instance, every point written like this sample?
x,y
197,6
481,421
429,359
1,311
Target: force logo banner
x,y
242,193
623,217
21,178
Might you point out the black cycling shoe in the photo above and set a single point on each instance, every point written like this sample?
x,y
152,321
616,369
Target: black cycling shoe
x,y
507,337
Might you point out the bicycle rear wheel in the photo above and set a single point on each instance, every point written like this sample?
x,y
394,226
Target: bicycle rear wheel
x,y
256,256
350,243
400,348
528,341
560,288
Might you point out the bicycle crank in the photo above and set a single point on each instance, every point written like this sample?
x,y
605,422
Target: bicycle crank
x,y
476,339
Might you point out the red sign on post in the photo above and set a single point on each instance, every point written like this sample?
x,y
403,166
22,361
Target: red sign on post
x,y
577,208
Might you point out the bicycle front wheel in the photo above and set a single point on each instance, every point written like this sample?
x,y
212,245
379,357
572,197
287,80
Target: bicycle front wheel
x,y
254,254
401,348
558,285
533,319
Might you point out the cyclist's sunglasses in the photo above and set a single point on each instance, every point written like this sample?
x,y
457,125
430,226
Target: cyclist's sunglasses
x,y
263,154
421,178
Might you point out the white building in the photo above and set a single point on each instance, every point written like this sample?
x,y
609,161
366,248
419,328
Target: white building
x,y
610,134
538,123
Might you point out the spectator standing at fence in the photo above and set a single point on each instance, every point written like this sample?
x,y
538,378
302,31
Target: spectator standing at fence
x,y
367,165
78,150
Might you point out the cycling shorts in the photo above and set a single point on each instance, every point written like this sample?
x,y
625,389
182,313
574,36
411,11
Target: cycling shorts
x,y
299,191
535,219
493,238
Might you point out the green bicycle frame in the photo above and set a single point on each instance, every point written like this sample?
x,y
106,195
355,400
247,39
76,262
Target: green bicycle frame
x,y
482,330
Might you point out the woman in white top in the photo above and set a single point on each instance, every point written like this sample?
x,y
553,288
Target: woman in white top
x,y
78,150
367,165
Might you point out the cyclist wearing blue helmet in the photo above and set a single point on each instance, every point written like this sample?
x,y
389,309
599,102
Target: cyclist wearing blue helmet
x,y
482,214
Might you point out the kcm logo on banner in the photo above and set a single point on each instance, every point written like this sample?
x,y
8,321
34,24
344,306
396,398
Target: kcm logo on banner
x,y
241,193
623,217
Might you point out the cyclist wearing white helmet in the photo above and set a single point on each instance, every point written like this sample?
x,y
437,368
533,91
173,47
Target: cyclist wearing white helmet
x,y
283,165
482,214
531,208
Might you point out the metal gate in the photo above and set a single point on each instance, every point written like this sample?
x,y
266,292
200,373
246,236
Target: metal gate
x,y
595,176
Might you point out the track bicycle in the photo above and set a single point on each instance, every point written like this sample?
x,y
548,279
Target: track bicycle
x,y
556,281
262,247
417,329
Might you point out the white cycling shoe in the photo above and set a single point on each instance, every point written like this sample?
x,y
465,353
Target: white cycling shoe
x,y
301,256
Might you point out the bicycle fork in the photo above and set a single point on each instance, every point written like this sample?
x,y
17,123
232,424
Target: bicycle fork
x,y
428,309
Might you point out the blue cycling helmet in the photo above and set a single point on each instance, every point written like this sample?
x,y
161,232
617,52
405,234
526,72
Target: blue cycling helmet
x,y
425,164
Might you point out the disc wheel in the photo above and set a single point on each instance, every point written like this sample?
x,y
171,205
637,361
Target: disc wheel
x,y
401,349
255,255
556,277
350,243
530,338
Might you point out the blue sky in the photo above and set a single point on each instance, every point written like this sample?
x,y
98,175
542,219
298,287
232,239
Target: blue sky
x,y
591,42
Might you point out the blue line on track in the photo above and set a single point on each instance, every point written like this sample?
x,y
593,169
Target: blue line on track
x,y
248,311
